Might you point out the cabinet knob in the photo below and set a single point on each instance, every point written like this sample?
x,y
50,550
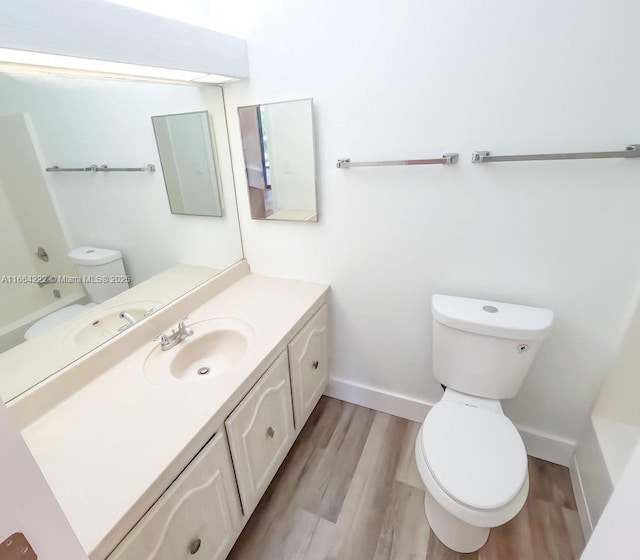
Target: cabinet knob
x,y
194,546
270,432
316,364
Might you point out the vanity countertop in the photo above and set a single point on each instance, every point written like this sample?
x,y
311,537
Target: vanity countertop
x,y
110,449
22,366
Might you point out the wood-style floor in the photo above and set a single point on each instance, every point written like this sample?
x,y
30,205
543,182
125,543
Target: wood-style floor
x,y
349,490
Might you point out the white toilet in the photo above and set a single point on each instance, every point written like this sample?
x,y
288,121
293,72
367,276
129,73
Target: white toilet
x,y
103,276
470,456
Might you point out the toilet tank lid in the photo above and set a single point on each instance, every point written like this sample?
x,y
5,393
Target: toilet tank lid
x,y
92,256
492,318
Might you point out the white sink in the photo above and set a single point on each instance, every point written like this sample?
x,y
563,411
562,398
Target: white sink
x,y
216,346
102,323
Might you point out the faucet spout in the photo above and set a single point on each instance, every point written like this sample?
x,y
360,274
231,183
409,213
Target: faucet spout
x,y
131,320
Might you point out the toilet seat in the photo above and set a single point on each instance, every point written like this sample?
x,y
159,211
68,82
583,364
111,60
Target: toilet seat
x,y
475,455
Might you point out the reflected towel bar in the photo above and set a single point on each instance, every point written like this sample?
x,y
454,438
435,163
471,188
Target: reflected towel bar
x,y
95,168
631,151
446,159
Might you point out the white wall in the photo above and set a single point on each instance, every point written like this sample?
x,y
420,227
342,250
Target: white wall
x,y
84,121
417,78
14,251
28,504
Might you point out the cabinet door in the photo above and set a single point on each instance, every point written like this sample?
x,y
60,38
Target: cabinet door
x,y
309,368
198,517
261,431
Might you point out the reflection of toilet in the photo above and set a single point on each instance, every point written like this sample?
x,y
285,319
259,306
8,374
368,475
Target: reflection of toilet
x,y
470,456
101,272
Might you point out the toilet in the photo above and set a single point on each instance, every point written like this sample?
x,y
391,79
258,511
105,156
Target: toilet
x,y
470,456
103,276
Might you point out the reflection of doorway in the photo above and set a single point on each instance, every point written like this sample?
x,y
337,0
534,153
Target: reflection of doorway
x,y
260,196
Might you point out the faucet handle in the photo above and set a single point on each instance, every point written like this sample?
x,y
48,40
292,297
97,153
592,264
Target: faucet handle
x,y
162,337
184,329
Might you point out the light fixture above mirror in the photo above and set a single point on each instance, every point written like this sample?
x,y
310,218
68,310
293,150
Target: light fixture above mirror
x,y
109,39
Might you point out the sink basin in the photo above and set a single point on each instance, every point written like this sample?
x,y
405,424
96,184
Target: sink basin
x,y
216,346
102,323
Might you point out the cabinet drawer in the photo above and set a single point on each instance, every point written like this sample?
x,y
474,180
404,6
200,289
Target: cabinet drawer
x,y
198,517
260,432
309,367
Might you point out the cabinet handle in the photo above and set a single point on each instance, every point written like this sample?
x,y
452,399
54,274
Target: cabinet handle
x,y
194,546
315,364
270,432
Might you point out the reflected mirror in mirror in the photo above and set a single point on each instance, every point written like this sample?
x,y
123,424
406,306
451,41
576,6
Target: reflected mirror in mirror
x,y
64,233
188,163
279,157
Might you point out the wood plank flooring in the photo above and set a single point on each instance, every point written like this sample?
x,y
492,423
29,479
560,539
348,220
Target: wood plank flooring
x,y
349,490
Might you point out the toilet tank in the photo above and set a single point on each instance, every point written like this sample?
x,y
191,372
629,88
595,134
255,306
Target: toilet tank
x,y
101,271
485,348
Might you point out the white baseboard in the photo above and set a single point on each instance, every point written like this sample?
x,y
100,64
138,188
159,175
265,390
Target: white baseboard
x,y
581,499
547,447
384,401
538,445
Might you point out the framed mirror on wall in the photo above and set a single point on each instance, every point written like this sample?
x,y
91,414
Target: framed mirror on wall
x,y
279,156
63,231
189,164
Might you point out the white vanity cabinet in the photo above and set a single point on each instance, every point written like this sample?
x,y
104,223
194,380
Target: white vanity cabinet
x,y
198,517
309,367
261,432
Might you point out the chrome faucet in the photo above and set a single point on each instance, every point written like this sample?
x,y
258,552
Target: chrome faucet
x,y
168,341
131,320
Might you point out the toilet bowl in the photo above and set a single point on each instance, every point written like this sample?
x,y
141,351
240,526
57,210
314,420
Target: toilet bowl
x,y
474,466
470,456
56,318
103,276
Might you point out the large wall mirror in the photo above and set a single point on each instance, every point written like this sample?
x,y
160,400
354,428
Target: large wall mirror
x,y
189,163
279,156
62,230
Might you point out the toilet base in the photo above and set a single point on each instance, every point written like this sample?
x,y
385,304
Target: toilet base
x,y
451,531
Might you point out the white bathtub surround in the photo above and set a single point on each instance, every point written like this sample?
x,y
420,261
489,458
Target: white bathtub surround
x,y
104,401
26,198
616,535
613,430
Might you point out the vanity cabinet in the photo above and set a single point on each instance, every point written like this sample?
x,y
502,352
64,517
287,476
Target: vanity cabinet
x,y
261,432
309,367
199,515
202,513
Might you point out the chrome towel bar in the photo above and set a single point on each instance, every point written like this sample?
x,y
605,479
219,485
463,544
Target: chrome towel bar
x,y
105,168
446,159
631,151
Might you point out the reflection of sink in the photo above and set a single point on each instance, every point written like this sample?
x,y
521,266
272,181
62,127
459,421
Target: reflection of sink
x,y
216,346
102,323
